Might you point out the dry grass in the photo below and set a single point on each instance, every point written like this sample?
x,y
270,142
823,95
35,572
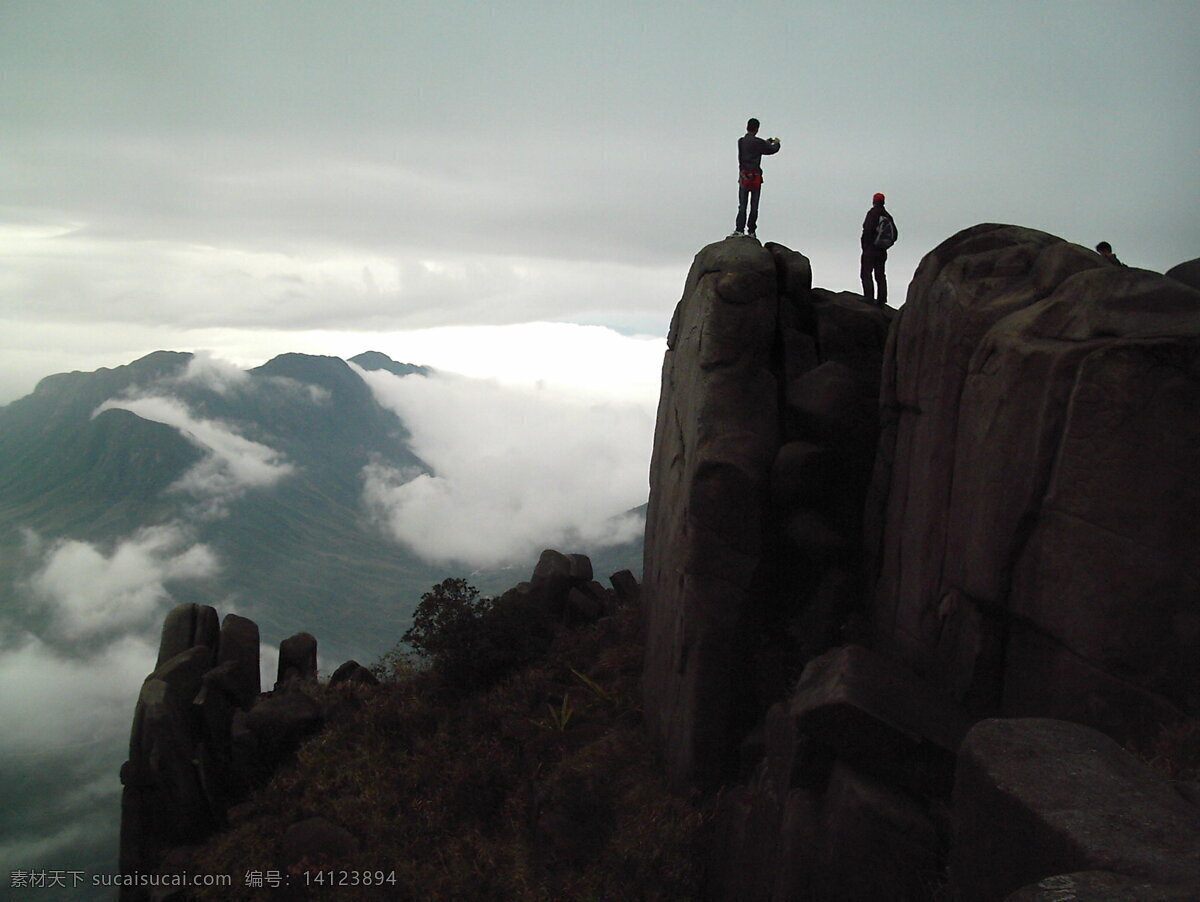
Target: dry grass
x,y
1174,751
540,788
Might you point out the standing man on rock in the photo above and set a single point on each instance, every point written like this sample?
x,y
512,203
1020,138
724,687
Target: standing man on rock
x,y
751,150
879,232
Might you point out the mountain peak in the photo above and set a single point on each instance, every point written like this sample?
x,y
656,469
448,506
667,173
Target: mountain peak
x,y
377,360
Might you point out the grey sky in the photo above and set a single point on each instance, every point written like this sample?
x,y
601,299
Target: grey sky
x,y
211,174
255,177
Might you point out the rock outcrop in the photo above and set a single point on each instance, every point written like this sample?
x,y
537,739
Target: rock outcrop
x,y
203,735
1026,550
1045,797
1188,273
1037,490
765,434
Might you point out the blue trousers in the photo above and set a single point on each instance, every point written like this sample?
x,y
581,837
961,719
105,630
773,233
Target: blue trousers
x,y
745,194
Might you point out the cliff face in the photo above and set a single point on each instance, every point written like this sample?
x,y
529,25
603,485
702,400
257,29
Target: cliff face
x,y
1026,550
761,455
1038,483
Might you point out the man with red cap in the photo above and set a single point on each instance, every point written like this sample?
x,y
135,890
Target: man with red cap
x,y
879,232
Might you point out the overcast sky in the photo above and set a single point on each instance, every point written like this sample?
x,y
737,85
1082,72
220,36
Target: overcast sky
x,y
513,192
253,177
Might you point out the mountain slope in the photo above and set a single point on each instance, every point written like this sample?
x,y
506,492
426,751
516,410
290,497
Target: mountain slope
x,y
263,468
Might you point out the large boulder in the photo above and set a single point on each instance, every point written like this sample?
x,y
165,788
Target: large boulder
x,y
1188,273
739,535
1034,798
297,660
353,672
240,649
163,802
881,717
1104,886
188,625
1020,559
273,730
716,434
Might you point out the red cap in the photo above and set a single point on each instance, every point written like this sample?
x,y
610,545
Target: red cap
x,y
878,199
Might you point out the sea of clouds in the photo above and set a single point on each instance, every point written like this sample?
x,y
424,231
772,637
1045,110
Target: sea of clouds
x,y
515,465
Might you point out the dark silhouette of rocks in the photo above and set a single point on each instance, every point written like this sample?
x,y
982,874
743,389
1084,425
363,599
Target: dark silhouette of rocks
x,y
626,587
1188,273
188,625
910,581
816,651
352,672
203,735
1036,489
297,660
766,385
239,649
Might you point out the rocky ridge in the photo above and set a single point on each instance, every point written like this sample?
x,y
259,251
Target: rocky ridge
x,y
907,578
205,736
1026,551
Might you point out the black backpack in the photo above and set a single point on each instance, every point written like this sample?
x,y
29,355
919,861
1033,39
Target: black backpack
x,y
885,233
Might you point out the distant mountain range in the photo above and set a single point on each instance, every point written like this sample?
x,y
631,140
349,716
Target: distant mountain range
x,y
262,467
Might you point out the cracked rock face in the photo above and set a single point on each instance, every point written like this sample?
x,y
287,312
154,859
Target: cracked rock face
x,y
766,427
1037,490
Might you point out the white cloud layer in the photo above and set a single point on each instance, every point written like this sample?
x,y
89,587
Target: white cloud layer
x,y
89,593
514,470
222,376
53,702
231,465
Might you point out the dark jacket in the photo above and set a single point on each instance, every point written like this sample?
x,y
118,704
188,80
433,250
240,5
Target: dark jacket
x,y
751,150
871,223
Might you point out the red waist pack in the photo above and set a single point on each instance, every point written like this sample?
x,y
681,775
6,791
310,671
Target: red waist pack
x,y
751,180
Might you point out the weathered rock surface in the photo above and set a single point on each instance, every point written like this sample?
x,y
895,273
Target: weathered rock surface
x,y
240,648
1102,886
1029,534
626,587
297,660
188,625
1188,273
353,672
756,361
880,717
1034,798
201,736
1037,495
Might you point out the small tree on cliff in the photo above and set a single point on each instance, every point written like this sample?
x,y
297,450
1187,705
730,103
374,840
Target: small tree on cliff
x,y
446,626
472,641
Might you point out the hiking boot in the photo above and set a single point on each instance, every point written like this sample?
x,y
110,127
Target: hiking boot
x,y
751,235
734,235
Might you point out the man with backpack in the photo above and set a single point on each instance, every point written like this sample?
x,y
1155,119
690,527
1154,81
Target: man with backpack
x,y
751,150
879,232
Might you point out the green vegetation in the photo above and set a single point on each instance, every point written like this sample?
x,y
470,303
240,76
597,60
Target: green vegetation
x,y
472,642
512,778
